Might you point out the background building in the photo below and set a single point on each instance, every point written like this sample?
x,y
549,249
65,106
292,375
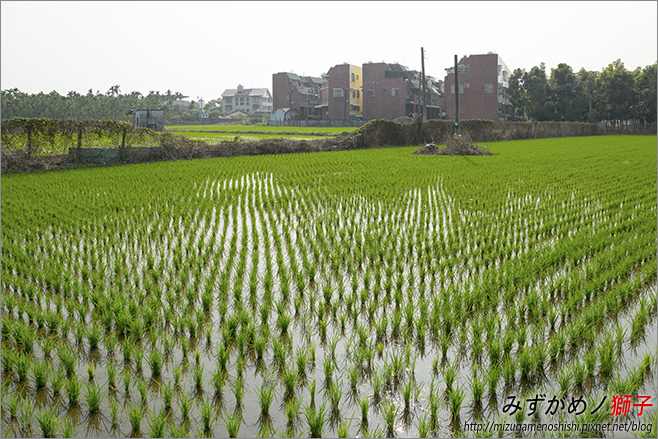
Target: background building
x,y
483,88
300,93
341,93
246,100
390,91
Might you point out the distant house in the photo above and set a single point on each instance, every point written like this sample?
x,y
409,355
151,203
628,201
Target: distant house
x,y
391,91
246,100
341,93
301,93
483,85
152,119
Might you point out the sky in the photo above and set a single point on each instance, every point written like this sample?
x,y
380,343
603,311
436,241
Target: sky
x,y
202,48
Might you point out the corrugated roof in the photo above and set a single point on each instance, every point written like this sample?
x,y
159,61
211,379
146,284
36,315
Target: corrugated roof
x,y
293,76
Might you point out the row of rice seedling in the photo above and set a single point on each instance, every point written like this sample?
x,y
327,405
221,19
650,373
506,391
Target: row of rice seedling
x,y
326,294
214,138
262,128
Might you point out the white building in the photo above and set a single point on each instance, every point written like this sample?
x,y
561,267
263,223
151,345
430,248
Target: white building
x,y
247,100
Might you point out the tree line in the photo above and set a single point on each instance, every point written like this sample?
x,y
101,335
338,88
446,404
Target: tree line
x,y
111,105
613,95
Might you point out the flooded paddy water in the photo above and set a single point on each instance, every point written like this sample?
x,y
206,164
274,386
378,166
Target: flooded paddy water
x,y
357,293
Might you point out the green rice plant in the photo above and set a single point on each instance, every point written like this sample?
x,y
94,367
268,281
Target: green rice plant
x,y
114,411
311,389
238,390
22,365
48,422
607,356
135,415
526,365
335,396
179,431
127,377
449,375
315,420
343,429
143,388
177,375
93,398
406,394
509,371
91,371
154,360
456,398
477,387
265,397
424,429
579,373
93,336
184,404
40,373
232,423
493,376
291,407
127,348
111,376
206,415
389,415
198,376
14,403
218,378
157,424
289,382
73,389
365,406
564,380
138,356
26,413
70,429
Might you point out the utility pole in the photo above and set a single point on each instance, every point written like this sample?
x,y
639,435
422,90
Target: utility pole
x,y
424,83
456,97
347,94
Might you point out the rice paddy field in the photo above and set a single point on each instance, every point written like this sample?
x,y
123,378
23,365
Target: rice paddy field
x,y
213,134
355,293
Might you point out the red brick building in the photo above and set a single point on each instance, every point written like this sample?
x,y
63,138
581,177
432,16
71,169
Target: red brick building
x,y
483,84
341,93
302,93
390,91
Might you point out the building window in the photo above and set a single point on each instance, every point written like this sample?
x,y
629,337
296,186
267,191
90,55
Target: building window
x,y
229,108
452,89
338,92
370,92
488,87
352,77
358,94
395,91
467,85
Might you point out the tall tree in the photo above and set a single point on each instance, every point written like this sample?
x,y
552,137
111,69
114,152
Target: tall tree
x,y
616,91
645,83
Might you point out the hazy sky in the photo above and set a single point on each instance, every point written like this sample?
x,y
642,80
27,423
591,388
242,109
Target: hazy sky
x,y
203,48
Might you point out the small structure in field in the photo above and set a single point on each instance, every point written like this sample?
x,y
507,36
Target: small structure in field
x,y
152,119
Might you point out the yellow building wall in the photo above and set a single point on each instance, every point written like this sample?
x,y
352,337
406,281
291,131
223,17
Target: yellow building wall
x,y
356,92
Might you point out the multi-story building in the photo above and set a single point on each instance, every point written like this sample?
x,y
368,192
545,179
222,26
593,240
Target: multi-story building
x,y
341,93
390,91
483,88
246,100
301,94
